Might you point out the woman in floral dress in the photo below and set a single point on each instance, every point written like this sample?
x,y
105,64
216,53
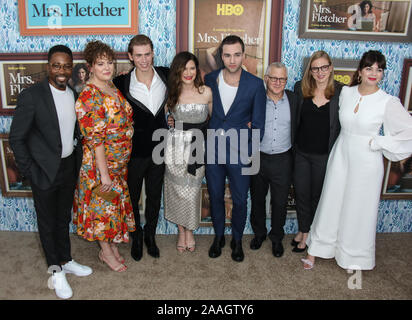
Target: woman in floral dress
x,y
105,120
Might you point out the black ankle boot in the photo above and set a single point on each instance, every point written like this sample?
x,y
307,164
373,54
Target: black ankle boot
x,y
152,248
137,245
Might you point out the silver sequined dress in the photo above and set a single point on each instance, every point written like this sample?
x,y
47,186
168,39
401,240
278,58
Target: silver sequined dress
x,y
182,189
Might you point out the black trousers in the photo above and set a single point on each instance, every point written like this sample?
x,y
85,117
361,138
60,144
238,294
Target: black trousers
x,y
275,172
139,169
309,173
53,208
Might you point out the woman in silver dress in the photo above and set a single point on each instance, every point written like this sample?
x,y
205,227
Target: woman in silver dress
x,y
190,103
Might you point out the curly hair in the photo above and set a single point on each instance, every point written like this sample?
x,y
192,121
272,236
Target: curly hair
x,y
175,77
97,49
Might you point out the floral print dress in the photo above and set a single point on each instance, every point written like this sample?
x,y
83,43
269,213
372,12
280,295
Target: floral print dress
x,y
103,120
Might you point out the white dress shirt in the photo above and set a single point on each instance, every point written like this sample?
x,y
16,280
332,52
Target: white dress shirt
x,y
152,98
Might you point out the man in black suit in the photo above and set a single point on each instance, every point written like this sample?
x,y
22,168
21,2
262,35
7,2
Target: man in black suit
x,y
45,139
145,87
276,160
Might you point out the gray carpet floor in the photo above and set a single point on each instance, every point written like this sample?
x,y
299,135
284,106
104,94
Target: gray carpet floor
x,y
193,276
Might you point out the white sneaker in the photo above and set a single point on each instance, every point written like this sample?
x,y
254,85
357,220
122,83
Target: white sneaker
x,y
77,269
61,286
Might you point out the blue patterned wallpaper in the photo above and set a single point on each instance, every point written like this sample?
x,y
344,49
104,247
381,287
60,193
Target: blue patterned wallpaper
x,y
157,20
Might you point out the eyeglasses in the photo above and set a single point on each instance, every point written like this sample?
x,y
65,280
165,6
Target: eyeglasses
x,y
323,68
57,67
275,79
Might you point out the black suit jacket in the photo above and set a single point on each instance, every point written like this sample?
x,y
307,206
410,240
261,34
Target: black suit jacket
x,y
145,123
333,111
35,135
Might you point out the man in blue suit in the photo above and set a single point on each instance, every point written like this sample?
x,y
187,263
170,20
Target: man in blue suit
x,y
239,102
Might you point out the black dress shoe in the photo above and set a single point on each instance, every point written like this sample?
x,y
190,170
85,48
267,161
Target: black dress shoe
x,y
297,249
256,242
137,246
277,249
152,248
216,248
237,250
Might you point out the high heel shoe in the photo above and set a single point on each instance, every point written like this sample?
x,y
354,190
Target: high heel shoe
x,y
294,243
179,247
120,268
117,254
190,246
297,249
307,264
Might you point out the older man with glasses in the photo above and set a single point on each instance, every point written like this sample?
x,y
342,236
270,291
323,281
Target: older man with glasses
x,y
276,160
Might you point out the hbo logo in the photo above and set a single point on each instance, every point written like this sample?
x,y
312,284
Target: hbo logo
x,y
229,9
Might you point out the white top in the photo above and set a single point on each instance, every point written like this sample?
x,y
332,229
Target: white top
x,y
152,98
344,226
396,143
227,93
64,102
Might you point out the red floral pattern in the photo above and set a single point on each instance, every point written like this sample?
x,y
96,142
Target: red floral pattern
x,y
104,121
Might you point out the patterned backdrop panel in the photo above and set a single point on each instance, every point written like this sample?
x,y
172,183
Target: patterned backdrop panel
x,y
157,20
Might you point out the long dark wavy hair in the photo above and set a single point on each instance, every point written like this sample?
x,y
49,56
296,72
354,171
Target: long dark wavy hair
x,y
175,77
368,59
75,74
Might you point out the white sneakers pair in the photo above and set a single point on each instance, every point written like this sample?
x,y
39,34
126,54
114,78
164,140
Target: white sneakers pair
x,y
58,280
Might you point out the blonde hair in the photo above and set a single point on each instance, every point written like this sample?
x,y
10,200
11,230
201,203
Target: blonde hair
x,y
309,83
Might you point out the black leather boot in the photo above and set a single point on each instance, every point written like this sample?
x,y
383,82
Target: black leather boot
x,y
152,248
137,245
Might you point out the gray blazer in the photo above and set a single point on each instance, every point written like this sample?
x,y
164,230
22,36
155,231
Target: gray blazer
x,y
35,135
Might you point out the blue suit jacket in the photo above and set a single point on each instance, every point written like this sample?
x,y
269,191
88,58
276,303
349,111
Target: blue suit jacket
x,y
249,106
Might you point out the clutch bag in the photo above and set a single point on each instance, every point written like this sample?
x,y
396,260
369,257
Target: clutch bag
x,y
108,196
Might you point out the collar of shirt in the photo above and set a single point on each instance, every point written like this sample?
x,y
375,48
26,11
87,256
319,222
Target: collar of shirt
x,y
281,100
151,98
137,82
277,138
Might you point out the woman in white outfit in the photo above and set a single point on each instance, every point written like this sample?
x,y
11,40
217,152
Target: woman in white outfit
x,y
344,227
